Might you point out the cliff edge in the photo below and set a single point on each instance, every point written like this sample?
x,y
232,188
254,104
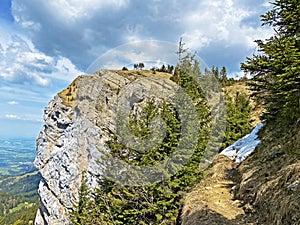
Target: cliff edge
x,y
78,121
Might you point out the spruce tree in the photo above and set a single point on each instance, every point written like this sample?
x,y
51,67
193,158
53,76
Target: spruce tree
x,y
238,118
223,75
275,69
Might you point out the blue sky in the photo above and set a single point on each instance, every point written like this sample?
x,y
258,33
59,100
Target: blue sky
x,y
44,45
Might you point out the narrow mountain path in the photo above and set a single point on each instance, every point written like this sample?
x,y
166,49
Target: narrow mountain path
x,y
211,201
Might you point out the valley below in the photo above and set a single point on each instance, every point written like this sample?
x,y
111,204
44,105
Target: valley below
x,y
19,181
17,156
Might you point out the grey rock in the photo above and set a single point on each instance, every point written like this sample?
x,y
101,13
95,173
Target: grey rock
x,y
76,127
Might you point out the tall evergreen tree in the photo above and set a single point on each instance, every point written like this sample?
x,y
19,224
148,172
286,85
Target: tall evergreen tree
x,y
275,69
238,118
223,74
215,71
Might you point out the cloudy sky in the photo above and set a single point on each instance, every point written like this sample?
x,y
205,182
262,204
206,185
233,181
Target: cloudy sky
x,y
45,44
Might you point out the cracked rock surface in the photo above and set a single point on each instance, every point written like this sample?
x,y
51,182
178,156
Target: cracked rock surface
x,y
77,123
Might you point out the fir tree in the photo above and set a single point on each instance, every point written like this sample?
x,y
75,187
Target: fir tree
x,y
223,75
238,118
275,70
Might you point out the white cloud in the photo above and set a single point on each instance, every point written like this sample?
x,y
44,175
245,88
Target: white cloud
x,y
267,5
63,12
83,31
25,117
74,10
22,63
220,21
12,116
65,69
13,103
38,59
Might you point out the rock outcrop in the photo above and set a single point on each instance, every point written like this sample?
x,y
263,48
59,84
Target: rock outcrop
x,y
78,121
263,189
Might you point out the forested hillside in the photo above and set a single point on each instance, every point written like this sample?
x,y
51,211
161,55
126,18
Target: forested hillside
x,y
19,198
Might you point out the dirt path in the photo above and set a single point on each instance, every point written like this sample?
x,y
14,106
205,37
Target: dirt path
x,y
211,201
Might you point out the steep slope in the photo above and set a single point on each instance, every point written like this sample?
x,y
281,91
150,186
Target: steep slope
x,y
263,189
78,122
269,181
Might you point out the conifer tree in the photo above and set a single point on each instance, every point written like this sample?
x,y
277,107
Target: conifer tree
x,y
238,118
275,69
215,71
223,75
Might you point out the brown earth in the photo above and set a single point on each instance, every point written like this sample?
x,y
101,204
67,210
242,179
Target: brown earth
x,y
211,201
262,190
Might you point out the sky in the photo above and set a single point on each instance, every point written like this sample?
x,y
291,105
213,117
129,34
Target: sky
x,y
44,45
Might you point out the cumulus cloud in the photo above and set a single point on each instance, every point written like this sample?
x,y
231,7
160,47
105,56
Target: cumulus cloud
x,y
221,21
74,10
83,32
13,103
51,42
22,63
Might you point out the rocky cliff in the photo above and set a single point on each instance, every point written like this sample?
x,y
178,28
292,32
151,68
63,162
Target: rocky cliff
x,y
78,121
263,189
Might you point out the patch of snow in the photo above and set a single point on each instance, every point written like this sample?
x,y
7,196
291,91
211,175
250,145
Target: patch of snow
x,y
294,185
242,148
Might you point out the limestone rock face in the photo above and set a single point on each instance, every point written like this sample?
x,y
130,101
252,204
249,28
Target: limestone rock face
x,y
78,122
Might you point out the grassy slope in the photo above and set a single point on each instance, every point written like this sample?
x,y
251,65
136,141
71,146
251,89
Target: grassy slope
x,y
269,181
264,189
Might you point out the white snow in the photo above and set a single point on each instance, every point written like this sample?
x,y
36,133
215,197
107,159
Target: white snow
x,y
242,148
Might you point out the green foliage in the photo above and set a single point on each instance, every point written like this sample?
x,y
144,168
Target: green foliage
x,y
139,126
138,66
26,184
85,208
221,76
157,203
275,70
23,215
163,68
238,121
